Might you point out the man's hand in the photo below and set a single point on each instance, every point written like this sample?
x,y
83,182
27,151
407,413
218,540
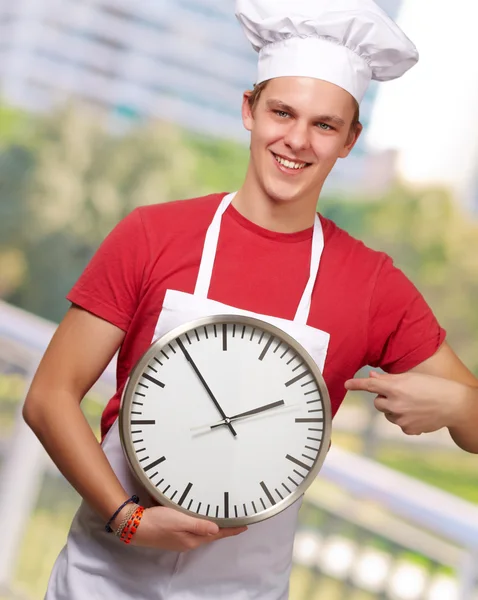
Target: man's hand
x,y
169,529
416,402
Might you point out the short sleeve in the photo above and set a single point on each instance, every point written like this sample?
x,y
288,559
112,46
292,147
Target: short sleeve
x,y
403,331
110,285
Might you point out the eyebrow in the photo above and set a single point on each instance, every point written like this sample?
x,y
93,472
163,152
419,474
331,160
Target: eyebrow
x,y
278,104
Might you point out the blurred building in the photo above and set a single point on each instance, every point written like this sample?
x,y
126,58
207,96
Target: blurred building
x,y
182,60
429,117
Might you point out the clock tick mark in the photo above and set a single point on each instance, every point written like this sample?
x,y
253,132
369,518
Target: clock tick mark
x,y
164,491
185,493
284,353
267,493
158,361
172,348
164,354
217,512
140,394
197,335
299,474
252,334
311,392
137,441
266,349
308,457
254,507
245,510
296,379
294,482
206,333
235,511
278,346
243,332
152,368
224,337
307,383
298,462
144,385
153,380
262,502
199,507
172,497
190,504
143,422
314,439
284,485
188,338
160,482
138,403
261,338
310,448
156,462
226,505
279,494
208,509
141,450
298,366
144,458
153,475
311,420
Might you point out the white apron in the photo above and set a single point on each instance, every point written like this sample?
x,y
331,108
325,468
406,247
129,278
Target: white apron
x,y
253,565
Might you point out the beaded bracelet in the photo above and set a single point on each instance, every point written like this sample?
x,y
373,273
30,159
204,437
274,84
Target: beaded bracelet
x,y
124,522
133,499
132,525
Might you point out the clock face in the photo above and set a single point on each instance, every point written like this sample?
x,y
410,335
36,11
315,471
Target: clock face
x,y
226,418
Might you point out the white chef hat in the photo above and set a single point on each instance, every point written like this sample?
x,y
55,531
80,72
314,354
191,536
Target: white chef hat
x,y
345,42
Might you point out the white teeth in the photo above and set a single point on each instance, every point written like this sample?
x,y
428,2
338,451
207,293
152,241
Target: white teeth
x,y
289,164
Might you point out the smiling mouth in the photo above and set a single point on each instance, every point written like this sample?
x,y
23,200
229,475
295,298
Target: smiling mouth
x,y
290,164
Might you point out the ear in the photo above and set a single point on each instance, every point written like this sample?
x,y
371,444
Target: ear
x,y
247,116
351,140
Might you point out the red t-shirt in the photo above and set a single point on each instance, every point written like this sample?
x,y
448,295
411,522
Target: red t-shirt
x,y
373,313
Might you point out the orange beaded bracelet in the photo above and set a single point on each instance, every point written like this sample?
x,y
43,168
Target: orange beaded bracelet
x,y
132,525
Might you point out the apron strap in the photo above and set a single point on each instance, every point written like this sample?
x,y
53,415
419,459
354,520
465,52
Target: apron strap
x,y
302,314
209,251
209,254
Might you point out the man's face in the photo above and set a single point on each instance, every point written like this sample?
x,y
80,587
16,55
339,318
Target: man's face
x,y
299,128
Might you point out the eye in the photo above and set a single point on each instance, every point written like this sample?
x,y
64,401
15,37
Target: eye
x,y
282,114
325,127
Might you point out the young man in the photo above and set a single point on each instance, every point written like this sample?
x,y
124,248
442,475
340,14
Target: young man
x,y
264,250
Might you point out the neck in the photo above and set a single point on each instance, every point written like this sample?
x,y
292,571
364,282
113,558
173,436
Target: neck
x,y
261,209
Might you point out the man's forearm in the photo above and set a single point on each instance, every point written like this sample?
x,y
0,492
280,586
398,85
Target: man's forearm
x,y
465,431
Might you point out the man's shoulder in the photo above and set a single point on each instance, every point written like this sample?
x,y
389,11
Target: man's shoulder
x,y
346,242
181,212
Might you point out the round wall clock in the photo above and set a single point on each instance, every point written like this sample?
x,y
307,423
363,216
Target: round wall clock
x,y
226,418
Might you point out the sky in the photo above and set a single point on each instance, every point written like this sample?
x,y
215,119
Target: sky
x,y
430,115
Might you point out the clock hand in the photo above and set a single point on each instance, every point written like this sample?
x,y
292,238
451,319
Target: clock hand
x,y
249,413
206,387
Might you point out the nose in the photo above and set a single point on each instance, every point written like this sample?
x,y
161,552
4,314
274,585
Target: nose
x,y
297,137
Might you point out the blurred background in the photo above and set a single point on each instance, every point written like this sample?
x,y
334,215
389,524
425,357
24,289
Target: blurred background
x,y
110,104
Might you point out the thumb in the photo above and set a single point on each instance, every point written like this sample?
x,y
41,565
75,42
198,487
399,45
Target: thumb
x,y
199,526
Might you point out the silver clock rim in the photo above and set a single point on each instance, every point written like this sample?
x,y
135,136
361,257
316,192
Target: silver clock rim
x,y
127,399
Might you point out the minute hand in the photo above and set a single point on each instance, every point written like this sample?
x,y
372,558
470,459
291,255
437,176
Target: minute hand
x,y
249,413
207,388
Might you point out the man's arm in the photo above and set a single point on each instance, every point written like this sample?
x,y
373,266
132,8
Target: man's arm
x,y
439,392
445,364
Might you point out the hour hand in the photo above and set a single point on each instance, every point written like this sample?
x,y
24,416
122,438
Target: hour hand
x,y
243,415
250,413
